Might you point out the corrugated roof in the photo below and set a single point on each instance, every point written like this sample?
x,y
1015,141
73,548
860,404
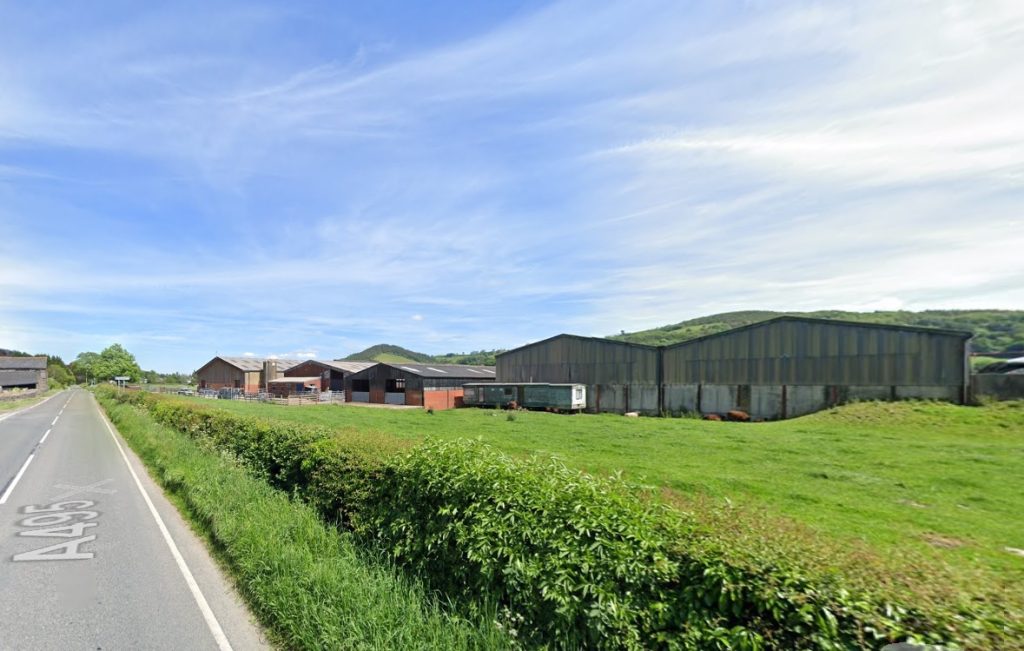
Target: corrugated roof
x,y
348,367
962,334
294,380
446,370
602,340
256,363
22,363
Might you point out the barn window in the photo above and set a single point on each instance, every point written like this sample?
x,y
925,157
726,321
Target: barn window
x,y
361,386
396,385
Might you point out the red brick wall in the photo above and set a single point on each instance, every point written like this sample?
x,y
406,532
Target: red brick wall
x,y
442,399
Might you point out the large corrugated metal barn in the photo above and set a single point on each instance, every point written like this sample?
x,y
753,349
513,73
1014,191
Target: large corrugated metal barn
x,y
779,368
619,376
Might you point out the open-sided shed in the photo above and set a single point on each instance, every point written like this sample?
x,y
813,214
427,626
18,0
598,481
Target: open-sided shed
x,y
23,373
436,386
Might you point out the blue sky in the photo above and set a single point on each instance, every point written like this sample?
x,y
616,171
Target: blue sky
x,y
308,179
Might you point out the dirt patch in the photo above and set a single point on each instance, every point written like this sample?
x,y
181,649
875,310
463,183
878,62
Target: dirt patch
x,y
943,542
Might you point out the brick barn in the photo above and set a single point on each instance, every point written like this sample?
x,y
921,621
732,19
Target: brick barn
x,y
435,386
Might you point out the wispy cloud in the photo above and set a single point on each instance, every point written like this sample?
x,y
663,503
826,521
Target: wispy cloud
x,y
575,167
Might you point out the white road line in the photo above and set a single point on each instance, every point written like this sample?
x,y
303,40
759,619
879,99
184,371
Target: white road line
x,y
211,619
17,478
45,435
54,421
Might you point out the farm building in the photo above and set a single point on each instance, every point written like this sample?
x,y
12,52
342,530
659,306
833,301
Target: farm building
x,y
23,373
247,373
779,368
437,386
619,376
332,374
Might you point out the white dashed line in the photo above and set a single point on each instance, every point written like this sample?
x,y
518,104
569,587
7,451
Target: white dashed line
x,y
54,421
45,435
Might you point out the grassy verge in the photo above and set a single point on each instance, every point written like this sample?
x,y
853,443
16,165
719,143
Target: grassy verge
x,y
19,403
304,582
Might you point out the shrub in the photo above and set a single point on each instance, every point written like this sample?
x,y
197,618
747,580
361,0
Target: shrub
x,y
573,560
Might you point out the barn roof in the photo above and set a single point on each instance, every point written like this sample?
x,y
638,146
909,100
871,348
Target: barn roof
x,y
293,380
580,338
339,365
23,363
445,370
255,363
962,334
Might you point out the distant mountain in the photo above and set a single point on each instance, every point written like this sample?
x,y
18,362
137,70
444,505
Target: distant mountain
x,y
994,330
392,354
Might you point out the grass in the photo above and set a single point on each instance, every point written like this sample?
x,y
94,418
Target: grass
x,y
940,481
18,403
981,361
306,583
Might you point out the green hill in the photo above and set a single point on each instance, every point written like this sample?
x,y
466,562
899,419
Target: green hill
x,y
389,353
994,330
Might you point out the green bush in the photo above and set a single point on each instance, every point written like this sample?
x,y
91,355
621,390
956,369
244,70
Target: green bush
x,y
572,560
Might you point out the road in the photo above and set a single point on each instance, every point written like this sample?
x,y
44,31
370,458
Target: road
x,y
92,555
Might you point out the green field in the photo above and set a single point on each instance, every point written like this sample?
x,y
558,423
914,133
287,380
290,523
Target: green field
x,y
941,481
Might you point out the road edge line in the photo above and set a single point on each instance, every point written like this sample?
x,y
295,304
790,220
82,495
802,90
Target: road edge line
x,y
193,586
17,478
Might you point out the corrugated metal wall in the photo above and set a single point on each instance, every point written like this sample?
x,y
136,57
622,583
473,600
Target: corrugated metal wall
x,y
568,359
814,353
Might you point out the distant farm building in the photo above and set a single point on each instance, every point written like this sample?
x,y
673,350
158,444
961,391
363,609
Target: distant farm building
x,y
23,373
1002,380
780,368
332,374
249,374
435,386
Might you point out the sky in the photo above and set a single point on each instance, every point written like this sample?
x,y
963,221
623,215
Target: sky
x,y
306,179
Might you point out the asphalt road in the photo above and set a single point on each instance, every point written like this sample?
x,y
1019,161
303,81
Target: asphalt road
x,y
92,556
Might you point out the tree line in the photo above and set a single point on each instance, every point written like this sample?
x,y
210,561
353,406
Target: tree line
x,y
91,367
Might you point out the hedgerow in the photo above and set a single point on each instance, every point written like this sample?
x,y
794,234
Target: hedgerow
x,y
573,560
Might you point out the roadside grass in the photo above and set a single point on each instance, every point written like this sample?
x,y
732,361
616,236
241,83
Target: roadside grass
x,y
18,403
940,481
303,580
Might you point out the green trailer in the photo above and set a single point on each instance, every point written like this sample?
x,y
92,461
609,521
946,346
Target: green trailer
x,y
491,394
559,397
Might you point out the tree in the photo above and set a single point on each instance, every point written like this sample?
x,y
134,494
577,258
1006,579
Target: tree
x,y
84,367
115,361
